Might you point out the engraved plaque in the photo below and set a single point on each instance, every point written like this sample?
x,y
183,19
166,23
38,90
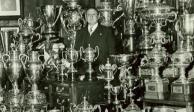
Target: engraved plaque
x,y
151,87
177,89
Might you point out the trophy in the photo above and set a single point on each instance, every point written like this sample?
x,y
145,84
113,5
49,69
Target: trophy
x,y
158,13
90,55
33,67
124,62
14,67
116,90
27,26
84,107
108,68
107,12
128,7
72,56
50,15
72,19
185,29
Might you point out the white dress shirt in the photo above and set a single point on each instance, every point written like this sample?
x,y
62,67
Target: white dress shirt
x,y
92,28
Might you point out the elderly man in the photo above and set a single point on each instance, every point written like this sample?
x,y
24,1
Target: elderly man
x,y
96,35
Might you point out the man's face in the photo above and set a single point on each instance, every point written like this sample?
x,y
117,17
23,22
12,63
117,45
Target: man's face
x,y
92,16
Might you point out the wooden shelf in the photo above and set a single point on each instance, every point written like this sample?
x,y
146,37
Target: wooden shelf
x,y
165,102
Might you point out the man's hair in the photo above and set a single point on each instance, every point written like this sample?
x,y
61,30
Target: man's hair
x,y
93,9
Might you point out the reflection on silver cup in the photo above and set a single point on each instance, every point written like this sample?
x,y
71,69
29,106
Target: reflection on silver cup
x,y
51,14
129,7
188,24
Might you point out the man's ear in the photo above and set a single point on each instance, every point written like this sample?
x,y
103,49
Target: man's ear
x,y
85,15
98,16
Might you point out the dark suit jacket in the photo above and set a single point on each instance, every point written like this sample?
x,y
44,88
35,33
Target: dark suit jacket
x,y
101,37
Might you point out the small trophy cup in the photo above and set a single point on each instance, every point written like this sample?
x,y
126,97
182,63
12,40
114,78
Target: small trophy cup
x,y
90,55
72,55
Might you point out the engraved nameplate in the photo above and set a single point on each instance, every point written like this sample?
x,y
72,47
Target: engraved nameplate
x,y
177,89
151,87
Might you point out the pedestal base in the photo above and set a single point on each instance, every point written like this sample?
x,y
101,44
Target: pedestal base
x,y
182,91
157,90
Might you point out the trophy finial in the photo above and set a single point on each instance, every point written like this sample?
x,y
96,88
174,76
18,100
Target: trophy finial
x,y
108,60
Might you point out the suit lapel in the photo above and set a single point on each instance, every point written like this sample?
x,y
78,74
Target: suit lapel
x,y
97,31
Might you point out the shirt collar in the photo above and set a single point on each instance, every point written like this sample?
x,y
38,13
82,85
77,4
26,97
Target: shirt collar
x,y
93,27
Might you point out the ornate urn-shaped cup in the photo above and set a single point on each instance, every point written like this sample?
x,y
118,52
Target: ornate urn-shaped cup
x,y
33,68
90,55
13,64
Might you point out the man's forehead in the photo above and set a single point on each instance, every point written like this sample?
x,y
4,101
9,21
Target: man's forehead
x,y
91,11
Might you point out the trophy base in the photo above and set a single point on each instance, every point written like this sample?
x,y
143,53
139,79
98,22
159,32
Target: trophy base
x,y
182,91
35,98
157,90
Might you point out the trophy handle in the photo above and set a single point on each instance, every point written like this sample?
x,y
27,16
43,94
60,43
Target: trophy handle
x,y
3,108
114,66
41,24
39,37
101,68
20,22
63,23
5,60
118,18
60,10
72,107
175,17
81,54
97,107
97,51
23,58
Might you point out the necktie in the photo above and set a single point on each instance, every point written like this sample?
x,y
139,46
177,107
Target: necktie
x,y
90,30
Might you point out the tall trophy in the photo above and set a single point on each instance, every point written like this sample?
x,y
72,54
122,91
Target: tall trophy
x,y
72,56
5,42
34,99
109,69
158,13
90,55
128,7
51,14
13,62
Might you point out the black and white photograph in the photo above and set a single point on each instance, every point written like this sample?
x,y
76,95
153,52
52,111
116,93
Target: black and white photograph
x,y
97,56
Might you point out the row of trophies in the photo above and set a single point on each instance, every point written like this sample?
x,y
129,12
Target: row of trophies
x,y
149,13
